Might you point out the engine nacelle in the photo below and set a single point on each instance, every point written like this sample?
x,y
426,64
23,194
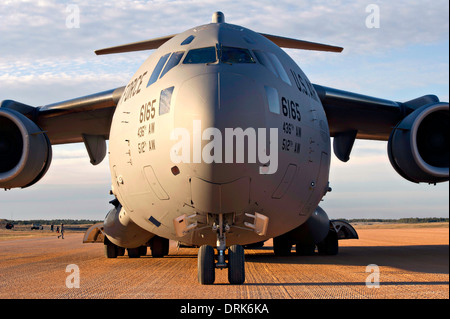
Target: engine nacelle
x,y
122,231
313,231
418,147
25,150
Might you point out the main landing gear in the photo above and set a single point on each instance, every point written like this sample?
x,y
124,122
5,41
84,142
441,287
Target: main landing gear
x,y
282,246
159,248
207,260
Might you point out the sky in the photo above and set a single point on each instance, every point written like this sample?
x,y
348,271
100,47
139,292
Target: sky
x,y
396,50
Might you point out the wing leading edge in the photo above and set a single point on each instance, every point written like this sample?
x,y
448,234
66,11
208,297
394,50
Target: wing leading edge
x,y
85,119
422,120
67,121
350,116
373,118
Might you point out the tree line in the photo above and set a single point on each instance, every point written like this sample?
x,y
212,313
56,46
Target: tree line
x,y
52,221
410,220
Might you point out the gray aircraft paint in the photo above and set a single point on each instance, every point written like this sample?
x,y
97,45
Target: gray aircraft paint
x,y
221,96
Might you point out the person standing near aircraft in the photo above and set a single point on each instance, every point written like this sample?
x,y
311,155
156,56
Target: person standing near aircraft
x,y
62,231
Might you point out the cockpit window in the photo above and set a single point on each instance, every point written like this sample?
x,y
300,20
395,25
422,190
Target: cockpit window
x,y
280,69
188,40
270,61
158,69
175,58
235,55
264,60
203,55
228,55
165,100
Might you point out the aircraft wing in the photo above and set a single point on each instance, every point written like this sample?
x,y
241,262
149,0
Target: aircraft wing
x,y
67,121
417,131
351,115
85,119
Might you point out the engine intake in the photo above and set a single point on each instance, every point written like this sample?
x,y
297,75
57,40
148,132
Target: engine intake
x,y
25,150
418,147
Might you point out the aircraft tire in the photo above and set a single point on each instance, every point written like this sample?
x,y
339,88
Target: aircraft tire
x,y
120,251
133,252
143,250
206,265
159,247
110,249
305,249
236,265
330,245
281,246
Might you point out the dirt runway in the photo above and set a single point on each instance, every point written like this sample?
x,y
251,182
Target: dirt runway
x,y
411,263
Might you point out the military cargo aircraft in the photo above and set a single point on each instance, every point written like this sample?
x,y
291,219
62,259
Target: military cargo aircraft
x,y
220,141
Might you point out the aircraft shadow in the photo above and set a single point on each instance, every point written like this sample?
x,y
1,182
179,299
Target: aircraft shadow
x,y
419,258
363,284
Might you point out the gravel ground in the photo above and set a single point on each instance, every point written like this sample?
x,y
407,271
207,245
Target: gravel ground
x,y
413,263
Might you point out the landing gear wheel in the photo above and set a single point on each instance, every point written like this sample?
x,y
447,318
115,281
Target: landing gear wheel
x,y
305,249
330,245
206,267
143,250
111,250
282,246
120,251
159,247
134,252
236,265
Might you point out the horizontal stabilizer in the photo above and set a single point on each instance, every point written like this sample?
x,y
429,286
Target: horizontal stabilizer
x,y
136,46
300,44
280,41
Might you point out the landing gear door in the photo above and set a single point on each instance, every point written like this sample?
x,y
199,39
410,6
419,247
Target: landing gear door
x,y
344,230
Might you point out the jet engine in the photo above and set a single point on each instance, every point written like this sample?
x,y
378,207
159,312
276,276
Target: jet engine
x,y
25,150
418,147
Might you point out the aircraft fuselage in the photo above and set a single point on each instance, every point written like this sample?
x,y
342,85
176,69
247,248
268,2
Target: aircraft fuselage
x,y
227,126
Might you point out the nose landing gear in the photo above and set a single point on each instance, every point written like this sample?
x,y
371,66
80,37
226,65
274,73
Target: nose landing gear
x,y
207,261
207,264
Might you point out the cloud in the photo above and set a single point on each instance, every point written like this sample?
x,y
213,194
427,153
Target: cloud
x,y
38,49
71,166
110,23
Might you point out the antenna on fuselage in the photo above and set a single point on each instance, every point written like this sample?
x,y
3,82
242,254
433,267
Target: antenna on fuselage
x,y
218,17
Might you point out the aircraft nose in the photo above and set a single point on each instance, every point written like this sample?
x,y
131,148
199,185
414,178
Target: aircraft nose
x,y
221,100
208,107
221,114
